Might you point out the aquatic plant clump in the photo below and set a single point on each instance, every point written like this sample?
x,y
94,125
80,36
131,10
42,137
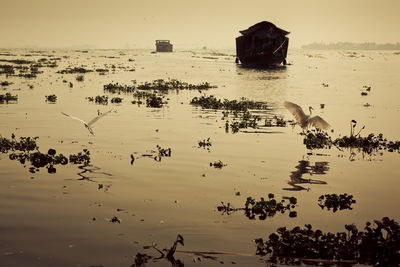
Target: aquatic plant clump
x,y
7,69
367,144
268,208
263,208
164,85
154,101
275,122
102,100
17,61
211,102
51,98
7,97
80,78
315,139
206,143
378,245
118,88
5,83
116,100
74,70
160,85
24,144
27,150
336,202
80,158
217,164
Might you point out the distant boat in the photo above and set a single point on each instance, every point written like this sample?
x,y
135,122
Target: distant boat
x,y
263,44
163,46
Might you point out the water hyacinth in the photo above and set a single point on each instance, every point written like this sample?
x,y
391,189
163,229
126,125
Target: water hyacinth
x,y
7,97
211,102
263,208
26,150
336,202
376,245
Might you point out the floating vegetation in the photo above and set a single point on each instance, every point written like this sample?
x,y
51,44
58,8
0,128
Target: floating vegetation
x,y
74,70
5,83
51,98
160,85
26,150
275,122
241,117
235,126
206,143
102,71
116,100
7,69
210,102
17,61
118,88
318,139
80,78
102,100
162,152
115,219
24,144
26,68
315,139
164,85
367,88
336,202
378,245
263,208
154,101
217,164
141,260
157,155
8,98
80,158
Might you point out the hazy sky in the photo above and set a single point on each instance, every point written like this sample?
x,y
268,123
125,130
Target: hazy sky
x,y
188,24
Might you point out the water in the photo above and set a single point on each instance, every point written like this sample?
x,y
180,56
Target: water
x,y
62,219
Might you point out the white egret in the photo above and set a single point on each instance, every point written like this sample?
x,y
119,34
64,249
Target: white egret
x,y
304,120
89,124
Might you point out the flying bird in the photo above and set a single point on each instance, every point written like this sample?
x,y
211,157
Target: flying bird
x,y
89,124
306,121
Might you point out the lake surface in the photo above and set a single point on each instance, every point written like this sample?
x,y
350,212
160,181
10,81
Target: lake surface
x,y
63,218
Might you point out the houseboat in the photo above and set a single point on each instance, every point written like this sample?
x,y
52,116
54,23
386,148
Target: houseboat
x,y
263,44
163,46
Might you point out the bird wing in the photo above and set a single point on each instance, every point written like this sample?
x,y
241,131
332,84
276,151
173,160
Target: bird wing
x,y
318,122
92,121
72,117
297,111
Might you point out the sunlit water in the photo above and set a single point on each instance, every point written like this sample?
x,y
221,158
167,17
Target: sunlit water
x,y
62,219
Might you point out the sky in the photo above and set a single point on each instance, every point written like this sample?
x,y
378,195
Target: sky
x,y
191,24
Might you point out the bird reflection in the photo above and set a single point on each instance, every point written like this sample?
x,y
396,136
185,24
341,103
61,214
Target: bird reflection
x,y
304,167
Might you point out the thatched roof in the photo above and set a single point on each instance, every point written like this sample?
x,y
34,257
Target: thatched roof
x,y
263,25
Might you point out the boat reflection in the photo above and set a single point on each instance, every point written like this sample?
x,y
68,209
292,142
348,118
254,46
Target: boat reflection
x,y
304,167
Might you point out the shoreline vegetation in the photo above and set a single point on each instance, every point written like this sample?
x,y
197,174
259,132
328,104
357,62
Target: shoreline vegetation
x,y
351,46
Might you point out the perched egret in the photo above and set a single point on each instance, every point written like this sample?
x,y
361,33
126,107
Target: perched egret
x,y
89,124
306,121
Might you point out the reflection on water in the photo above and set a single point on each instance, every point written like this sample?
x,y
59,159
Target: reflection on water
x,y
304,167
90,169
